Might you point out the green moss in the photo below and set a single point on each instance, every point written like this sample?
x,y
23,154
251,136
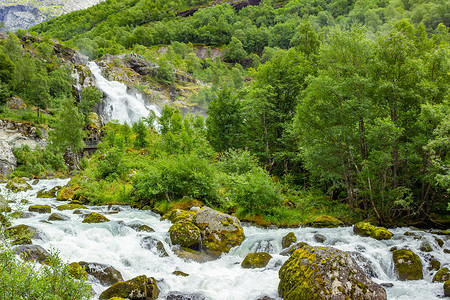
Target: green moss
x,y
77,271
185,234
70,207
407,264
18,185
256,260
442,275
326,221
447,288
367,229
48,194
65,194
288,240
95,218
42,209
179,273
141,285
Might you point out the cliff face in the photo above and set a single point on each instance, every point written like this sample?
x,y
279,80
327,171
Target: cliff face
x,y
20,17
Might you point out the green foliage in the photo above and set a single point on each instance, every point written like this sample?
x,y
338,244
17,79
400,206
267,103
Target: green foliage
x,y
141,132
6,68
37,163
89,97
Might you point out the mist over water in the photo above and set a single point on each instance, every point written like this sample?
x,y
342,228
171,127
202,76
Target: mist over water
x,y
117,244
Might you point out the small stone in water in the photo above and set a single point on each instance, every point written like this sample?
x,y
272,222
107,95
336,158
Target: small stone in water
x,y
387,284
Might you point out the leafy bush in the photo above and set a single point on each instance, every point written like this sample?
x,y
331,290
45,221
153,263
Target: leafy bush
x,y
38,162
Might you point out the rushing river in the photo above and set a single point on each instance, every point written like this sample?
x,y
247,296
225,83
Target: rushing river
x,y
116,243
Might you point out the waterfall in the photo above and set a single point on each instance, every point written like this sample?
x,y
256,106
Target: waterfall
x,y
118,104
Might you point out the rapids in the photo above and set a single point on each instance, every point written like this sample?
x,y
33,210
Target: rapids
x,y
117,244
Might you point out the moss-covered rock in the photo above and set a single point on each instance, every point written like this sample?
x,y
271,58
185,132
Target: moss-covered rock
x,y
18,185
22,241
177,214
442,275
77,271
326,221
144,228
95,218
70,206
367,229
57,217
325,273
198,256
154,245
137,288
220,232
425,246
42,209
107,275
20,231
288,240
180,273
447,288
65,194
407,264
33,252
185,234
48,194
256,260
434,264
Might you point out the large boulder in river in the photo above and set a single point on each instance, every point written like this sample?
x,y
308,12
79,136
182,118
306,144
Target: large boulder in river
x,y
18,185
65,194
42,209
325,273
220,232
367,229
407,264
106,274
48,194
326,221
256,260
71,206
442,275
137,288
95,218
20,231
33,252
288,240
185,234
8,161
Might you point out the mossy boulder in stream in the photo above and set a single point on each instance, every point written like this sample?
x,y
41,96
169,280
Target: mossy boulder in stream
x,y
407,264
58,217
48,194
106,274
325,273
367,229
326,221
447,288
288,240
137,288
71,206
77,271
256,260
95,218
42,209
65,194
442,275
33,252
18,185
20,231
185,234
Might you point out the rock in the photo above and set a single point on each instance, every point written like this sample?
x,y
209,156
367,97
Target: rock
x,y
48,194
65,194
256,260
439,241
15,103
319,238
144,228
425,246
434,264
18,185
184,296
413,234
33,252
407,264
36,181
447,288
288,240
366,264
8,161
198,256
23,231
107,275
77,271
137,288
292,248
367,229
325,273
185,234
220,232
22,241
179,273
387,284
58,217
70,207
95,218
178,214
326,221
447,251
154,245
42,209
442,275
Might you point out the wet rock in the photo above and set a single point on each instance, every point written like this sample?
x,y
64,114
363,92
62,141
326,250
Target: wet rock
x,y
439,241
77,271
425,246
288,240
447,288
8,161
434,264
185,296
367,229
447,251
33,252
22,241
256,260
326,221
407,264
70,207
4,221
364,263
20,231
325,273
442,275
144,228
36,181
180,273
185,234
18,185
176,215
319,238
220,232
198,256
137,288
152,244
268,246
65,194
292,248
413,234
387,284
48,194
95,218
106,274
58,217
266,298
42,209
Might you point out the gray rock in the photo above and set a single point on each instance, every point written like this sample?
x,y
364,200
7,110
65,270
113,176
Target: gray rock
x,y
319,238
32,252
107,275
185,296
154,245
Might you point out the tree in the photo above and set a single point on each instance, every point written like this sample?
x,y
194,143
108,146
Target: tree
x,y
235,51
38,93
6,68
89,97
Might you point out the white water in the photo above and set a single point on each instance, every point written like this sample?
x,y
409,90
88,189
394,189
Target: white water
x,y
120,246
119,105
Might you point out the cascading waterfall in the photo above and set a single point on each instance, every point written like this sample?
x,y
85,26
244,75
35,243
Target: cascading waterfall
x,y
119,105
116,243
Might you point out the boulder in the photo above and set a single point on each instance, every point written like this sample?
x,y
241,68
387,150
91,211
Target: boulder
x,y
292,248
48,194
288,240
434,264
326,221
8,161
425,246
42,209
18,185
33,252
137,288
367,229
70,207
22,241
94,218
106,274
144,228
256,260
407,264
220,232
320,238
177,214
442,275
198,256
325,273
65,194
447,288
58,217
21,231
180,273
77,271
185,234
154,245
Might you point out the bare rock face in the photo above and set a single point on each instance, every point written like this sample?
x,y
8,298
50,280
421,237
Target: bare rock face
x,y
325,273
8,161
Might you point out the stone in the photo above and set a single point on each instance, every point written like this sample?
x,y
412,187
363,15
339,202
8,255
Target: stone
x,y
256,260
447,288
425,246
107,275
325,273
70,207
137,288
288,240
33,252
367,229
326,221
292,248
77,271
185,234
434,264
48,194
442,275
95,218
180,273
199,256
18,185
407,264
439,241
22,241
42,209
15,103
154,245
20,231
65,194
185,296
219,231
144,228
8,162
36,181
320,238
58,217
